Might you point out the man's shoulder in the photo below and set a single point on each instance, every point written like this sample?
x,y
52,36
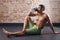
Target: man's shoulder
x,y
45,14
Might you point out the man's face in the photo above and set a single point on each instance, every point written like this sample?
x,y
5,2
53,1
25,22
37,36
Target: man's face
x,y
39,8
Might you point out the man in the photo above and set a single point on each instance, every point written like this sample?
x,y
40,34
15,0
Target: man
x,y
41,19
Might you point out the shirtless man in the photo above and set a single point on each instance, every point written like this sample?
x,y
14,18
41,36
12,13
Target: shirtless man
x,y
41,19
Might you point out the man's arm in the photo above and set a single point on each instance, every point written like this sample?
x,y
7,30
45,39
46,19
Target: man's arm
x,y
51,25
32,14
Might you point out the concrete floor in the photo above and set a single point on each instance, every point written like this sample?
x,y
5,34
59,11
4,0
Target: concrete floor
x,y
30,37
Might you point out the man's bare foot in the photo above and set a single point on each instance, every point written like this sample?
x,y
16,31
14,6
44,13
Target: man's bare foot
x,y
6,32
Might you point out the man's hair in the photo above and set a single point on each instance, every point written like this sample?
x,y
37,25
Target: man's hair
x,y
42,6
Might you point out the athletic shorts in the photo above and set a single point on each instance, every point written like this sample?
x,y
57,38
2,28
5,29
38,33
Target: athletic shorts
x,y
32,29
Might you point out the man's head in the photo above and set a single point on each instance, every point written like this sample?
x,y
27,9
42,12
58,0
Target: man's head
x,y
40,8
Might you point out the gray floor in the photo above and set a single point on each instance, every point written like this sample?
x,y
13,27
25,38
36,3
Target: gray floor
x,y
30,37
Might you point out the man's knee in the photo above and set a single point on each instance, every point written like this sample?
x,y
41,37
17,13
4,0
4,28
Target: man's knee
x,y
27,18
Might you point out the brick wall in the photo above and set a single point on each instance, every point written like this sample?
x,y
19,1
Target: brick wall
x,y
14,11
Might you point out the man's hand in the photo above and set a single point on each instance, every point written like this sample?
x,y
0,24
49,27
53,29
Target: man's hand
x,y
56,32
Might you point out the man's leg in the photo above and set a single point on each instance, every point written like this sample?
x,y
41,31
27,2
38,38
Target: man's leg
x,y
27,19
26,22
